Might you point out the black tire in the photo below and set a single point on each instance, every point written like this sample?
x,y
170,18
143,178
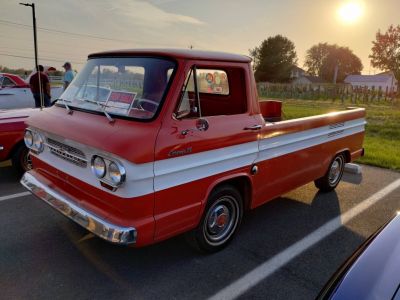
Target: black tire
x,y
20,159
333,175
220,221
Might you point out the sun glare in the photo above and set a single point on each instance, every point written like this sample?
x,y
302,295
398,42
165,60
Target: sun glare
x,y
350,11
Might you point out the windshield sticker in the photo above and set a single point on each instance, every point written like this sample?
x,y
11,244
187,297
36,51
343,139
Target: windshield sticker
x,y
120,102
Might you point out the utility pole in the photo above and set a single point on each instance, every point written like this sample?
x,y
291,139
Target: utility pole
x,y
36,50
336,73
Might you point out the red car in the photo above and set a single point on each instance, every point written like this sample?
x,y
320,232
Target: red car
x,y
12,146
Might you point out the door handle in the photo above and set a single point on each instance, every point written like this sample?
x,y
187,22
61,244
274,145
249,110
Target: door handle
x,y
254,127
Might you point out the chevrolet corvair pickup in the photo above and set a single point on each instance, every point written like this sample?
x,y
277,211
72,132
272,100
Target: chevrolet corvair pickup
x,y
148,144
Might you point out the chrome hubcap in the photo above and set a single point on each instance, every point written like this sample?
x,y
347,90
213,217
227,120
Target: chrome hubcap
x,y
221,220
335,171
26,161
218,219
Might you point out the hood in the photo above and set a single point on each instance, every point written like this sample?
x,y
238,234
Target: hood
x,y
128,139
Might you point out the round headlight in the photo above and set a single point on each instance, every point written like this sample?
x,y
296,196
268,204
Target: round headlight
x,y
98,167
28,138
116,173
38,142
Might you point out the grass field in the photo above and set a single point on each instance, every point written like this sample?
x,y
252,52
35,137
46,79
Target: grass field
x,y
382,141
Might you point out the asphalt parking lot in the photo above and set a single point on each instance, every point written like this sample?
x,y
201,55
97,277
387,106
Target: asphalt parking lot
x,y
43,255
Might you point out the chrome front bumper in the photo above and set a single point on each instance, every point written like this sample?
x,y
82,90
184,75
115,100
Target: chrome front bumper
x,y
65,205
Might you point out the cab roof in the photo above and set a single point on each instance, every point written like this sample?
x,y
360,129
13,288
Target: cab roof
x,y
176,53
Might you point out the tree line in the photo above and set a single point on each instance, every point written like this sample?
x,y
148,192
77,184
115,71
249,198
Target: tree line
x,y
275,58
24,72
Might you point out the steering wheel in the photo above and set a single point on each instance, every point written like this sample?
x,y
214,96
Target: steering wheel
x,y
149,105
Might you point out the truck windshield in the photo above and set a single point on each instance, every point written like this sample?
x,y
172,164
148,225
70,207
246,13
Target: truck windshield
x,y
121,86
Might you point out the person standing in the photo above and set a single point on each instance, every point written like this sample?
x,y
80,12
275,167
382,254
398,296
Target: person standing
x,y
35,87
68,75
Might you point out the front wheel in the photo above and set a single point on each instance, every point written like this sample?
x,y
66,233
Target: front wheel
x,y
220,221
333,176
21,159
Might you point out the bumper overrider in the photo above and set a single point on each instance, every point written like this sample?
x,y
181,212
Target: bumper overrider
x,y
68,207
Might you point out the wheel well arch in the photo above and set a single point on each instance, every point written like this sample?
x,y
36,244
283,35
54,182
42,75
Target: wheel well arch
x,y
242,182
347,154
15,148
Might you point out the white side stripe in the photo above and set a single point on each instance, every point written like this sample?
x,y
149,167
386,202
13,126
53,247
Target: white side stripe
x,y
180,170
254,277
289,143
143,179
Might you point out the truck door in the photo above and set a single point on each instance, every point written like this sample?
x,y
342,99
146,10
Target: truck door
x,y
211,134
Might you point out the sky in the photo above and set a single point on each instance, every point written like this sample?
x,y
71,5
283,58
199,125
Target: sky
x,y
69,30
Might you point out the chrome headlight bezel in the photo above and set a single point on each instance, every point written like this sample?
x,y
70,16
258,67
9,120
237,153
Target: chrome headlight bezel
x,y
116,172
28,138
34,140
114,175
98,170
38,142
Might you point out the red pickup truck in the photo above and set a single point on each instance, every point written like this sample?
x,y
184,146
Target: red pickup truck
x,y
148,144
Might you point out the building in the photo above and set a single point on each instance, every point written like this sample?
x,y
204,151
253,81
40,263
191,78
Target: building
x,y
385,81
297,72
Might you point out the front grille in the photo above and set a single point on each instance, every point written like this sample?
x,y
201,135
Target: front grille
x,y
68,153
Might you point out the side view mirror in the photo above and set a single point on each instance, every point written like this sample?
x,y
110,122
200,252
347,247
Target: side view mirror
x,y
202,124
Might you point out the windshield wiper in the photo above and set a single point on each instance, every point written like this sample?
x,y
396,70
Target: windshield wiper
x,y
102,107
66,105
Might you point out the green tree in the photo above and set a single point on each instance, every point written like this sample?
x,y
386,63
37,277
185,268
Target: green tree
x,y
324,60
386,50
316,57
274,59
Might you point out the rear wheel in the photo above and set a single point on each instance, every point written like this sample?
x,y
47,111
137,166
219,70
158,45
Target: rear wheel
x,y
220,221
21,159
333,176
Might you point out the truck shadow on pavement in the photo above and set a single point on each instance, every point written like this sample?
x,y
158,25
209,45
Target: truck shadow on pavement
x,y
172,269
9,181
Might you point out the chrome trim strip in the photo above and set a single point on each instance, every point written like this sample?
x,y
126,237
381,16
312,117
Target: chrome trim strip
x,y
65,205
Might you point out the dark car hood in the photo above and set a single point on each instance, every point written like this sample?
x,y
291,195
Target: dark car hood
x,y
375,274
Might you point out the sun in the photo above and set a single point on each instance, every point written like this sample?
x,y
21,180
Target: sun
x,y
350,12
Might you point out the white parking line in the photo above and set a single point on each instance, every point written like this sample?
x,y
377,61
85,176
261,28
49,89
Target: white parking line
x,y
251,279
3,198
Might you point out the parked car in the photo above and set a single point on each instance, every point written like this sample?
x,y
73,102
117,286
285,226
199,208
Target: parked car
x,y
177,143
373,271
12,146
15,92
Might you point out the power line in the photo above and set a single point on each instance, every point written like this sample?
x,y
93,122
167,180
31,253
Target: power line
x,y
42,58
12,49
5,22
44,41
